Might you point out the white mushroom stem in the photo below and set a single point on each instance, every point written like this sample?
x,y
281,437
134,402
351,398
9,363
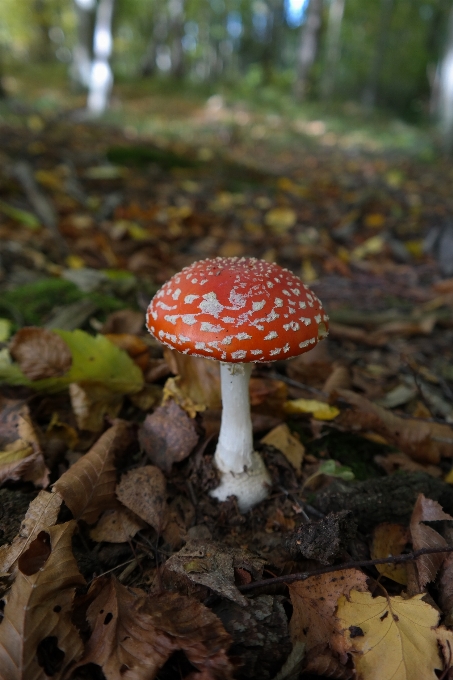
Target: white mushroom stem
x,y
243,473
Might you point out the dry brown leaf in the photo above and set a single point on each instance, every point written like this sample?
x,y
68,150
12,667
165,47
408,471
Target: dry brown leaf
x,y
20,452
134,635
425,442
199,379
88,487
137,348
144,491
40,353
427,510
181,516
168,435
268,396
338,379
314,602
392,462
324,663
117,526
390,539
42,513
446,589
91,404
37,636
212,565
392,638
287,443
124,321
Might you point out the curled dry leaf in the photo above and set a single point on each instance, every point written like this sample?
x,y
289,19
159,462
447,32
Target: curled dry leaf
x,y
181,516
314,602
327,665
20,452
40,353
427,510
425,442
118,525
42,513
446,589
134,635
37,616
88,487
199,379
144,491
168,435
392,638
92,403
339,379
287,443
390,539
392,462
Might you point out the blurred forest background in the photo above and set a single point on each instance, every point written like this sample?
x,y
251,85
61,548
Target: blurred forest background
x,y
324,62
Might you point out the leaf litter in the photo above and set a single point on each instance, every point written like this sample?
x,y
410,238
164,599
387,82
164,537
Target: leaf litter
x,y
125,432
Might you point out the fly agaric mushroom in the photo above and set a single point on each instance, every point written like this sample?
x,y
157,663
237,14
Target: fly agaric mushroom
x,y
239,312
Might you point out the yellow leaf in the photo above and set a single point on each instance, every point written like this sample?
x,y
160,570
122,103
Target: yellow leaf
x,y
280,219
372,246
319,409
390,539
308,273
284,441
394,638
75,262
374,220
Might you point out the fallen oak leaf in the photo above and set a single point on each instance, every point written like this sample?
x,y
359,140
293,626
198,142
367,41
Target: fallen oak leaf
x,y
88,487
39,607
144,491
42,513
427,510
134,635
391,638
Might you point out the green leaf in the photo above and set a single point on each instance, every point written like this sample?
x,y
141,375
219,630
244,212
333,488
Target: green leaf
x,y
95,360
23,216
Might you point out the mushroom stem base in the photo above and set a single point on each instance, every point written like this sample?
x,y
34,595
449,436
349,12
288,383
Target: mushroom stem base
x,y
250,487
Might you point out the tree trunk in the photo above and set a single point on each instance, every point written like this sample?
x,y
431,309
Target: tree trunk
x,y
445,84
371,88
176,8
101,77
82,53
308,47
336,12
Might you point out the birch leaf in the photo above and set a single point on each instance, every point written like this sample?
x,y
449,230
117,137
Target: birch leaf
x,y
393,638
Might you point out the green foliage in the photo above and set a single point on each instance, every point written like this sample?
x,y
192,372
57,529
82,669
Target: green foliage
x,y
95,361
31,304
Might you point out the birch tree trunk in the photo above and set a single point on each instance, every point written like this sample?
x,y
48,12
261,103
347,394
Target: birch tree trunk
x,y
82,52
308,47
445,85
333,45
176,8
101,77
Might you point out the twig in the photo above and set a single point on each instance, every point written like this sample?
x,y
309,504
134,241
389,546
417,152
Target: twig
x,y
304,575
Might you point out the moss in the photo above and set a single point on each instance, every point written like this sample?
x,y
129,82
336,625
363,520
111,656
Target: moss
x,y
33,303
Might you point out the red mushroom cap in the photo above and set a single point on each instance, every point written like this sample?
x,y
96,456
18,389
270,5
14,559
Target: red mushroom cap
x,y
237,310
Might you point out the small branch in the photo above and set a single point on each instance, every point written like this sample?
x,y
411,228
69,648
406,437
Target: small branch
x,y
304,575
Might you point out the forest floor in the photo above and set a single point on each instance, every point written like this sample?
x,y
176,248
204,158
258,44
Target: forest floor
x,y
123,565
